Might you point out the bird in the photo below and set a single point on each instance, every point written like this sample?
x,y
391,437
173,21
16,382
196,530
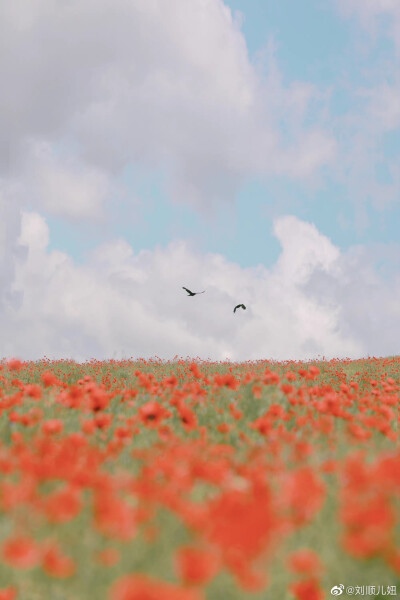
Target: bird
x,y
192,293
239,306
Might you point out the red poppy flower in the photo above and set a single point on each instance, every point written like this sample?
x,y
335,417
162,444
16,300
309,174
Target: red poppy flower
x,y
141,587
8,593
21,552
242,522
14,364
62,506
188,417
151,413
52,426
197,566
307,590
304,561
49,379
57,564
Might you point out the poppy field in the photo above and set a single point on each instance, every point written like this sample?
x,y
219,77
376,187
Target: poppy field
x,y
198,480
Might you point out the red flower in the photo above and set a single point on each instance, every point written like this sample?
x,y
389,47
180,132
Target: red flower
x,y
197,566
262,424
171,381
188,417
114,517
21,552
290,376
314,371
271,378
52,426
257,391
151,413
224,428
304,561
370,527
304,494
14,364
358,432
62,506
123,433
88,426
197,374
8,593
227,380
235,412
33,390
99,399
393,559
241,522
49,379
287,388
141,587
56,564
103,420
307,590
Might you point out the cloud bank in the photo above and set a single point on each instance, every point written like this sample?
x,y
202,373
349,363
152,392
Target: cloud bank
x,y
314,302
159,84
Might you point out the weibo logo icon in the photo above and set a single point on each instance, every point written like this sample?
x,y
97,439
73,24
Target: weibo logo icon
x,y
337,590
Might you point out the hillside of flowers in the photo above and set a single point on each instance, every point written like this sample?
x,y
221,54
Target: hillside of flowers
x,y
194,480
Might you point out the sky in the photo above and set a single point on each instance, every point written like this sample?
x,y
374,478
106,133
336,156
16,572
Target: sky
x,y
246,147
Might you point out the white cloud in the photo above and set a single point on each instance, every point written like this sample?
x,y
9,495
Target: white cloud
x,y
370,8
10,252
154,83
370,13
313,302
368,300
59,184
304,250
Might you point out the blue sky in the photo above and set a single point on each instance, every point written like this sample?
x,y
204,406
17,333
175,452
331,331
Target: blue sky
x,y
249,147
314,43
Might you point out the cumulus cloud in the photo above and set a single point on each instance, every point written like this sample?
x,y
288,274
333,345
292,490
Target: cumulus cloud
x,y
10,251
368,299
313,302
154,83
304,250
59,184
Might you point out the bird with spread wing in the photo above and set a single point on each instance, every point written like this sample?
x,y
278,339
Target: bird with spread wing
x,y
192,293
239,306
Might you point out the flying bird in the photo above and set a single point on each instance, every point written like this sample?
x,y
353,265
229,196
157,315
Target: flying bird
x,y
192,293
239,306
